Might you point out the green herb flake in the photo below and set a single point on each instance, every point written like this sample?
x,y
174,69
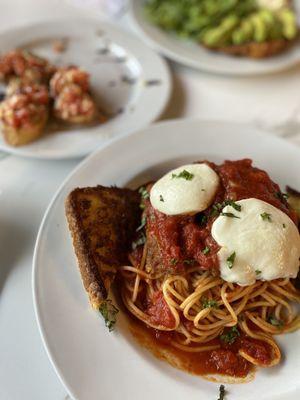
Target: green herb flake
x,y
143,192
266,216
217,208
222,392
161,198
275,322
173,261
201,219
209,303
282,196
143,223
189,262
257,271
139,242
231,335
109,313
188,176
206,250
229,214
233,204
230,260
284,226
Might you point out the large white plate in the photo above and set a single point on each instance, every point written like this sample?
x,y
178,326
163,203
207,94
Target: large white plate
x,y
94,364
196,56
128,79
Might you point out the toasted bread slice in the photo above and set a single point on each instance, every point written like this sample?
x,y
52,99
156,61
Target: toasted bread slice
x,y
26,134
257,50
102,222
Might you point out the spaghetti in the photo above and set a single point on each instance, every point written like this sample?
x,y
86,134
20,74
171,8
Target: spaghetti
x,y
203,305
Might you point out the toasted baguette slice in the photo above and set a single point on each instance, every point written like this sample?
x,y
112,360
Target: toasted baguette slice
x,y
26,134
257,50
102,222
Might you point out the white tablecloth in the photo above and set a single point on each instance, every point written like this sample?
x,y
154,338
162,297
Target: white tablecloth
x,y
26,187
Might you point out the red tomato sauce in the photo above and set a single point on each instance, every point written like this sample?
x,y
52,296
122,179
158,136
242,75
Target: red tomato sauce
x,y
225,360
159,312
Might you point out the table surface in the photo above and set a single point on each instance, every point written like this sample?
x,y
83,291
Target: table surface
x,y
26,187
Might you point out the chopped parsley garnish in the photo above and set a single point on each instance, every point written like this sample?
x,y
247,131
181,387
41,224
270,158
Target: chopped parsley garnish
x,y
109,313
189,262
257,271
141,240
188,176
233,204
206,250
266,216
217,207
143,192
231,335
173,261
222,392
229,214
144,195
284,226
275,322
209,303
230,260
143,223
201,218
161,198
282,196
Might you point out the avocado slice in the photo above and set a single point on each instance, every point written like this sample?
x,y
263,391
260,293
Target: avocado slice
x,y
218,36
260,28
244,33
289,24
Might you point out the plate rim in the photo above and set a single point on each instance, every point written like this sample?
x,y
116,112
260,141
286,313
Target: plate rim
x,y
83,163
188,62
160,61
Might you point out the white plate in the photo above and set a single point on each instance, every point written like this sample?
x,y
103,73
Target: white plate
x,y
196,56
130,81
94,364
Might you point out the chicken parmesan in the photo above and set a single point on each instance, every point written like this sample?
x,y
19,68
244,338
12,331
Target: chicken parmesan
x,y
211,269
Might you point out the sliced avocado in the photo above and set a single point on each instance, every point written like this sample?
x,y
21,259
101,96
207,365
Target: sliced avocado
x,y
216,37
289,24
260,32
276,30
243,33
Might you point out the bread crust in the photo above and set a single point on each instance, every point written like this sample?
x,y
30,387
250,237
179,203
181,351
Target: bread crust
x,y
256,50
102,222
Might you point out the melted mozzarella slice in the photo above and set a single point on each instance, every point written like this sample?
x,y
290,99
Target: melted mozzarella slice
x,y
263,243
185,190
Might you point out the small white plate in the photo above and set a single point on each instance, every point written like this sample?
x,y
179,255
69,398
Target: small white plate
x,y
130,82
94,364
196,56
